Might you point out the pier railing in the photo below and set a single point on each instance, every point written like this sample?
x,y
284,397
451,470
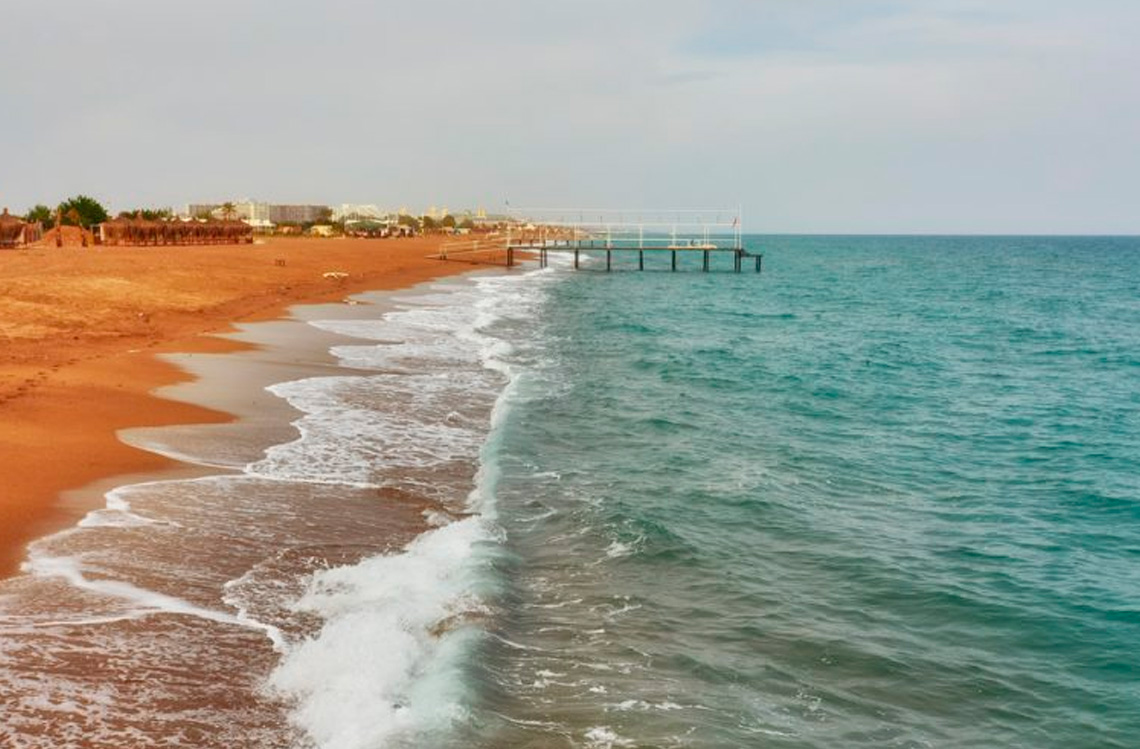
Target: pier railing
x,y
543,231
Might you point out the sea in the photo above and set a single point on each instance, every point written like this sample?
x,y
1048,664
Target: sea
x,y
885,493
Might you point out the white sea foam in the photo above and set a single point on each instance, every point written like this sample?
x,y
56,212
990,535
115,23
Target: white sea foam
x,y
604,737
384,663
388,661
619,549
357,428
141,602
113,519
117,512
642,705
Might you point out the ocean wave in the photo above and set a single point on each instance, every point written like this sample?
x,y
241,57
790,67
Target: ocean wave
x,y
388,662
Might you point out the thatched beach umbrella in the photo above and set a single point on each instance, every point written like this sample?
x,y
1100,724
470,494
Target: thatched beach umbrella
x,y
113,231
11,229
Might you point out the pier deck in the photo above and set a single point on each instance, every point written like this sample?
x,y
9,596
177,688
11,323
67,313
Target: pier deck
x,y
678,233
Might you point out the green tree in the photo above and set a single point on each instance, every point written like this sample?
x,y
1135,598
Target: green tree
x,y
41,213
429,223
467,224
407,220
83,210
448,222
229,211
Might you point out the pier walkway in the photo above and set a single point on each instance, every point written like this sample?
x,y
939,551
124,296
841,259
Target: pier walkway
x,y
680,234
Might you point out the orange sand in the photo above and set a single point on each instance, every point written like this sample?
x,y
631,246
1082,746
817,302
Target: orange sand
x,y
78,327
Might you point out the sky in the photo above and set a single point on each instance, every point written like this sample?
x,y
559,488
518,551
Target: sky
x,y
812,116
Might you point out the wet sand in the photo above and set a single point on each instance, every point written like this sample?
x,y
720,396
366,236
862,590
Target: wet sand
x,y
80,329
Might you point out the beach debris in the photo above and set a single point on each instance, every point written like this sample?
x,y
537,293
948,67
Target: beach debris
x,y
335,275
279,262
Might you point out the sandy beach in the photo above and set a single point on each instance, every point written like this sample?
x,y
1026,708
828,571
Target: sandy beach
x,y
81,327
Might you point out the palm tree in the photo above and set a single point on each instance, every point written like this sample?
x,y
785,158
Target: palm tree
x,y
229,210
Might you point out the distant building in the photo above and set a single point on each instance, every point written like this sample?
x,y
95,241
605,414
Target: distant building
x,y
255,214
492,221
262,215
298,214
201,210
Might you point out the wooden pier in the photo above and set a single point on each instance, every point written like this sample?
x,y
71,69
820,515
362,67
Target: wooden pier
x,y
577,248
679,234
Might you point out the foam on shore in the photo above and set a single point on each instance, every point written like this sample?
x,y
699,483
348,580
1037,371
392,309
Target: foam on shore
x,y
393,656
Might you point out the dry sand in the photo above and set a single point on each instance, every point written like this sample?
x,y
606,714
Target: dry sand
x,y
79,327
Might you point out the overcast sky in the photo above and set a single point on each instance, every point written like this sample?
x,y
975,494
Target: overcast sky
x,y
813,115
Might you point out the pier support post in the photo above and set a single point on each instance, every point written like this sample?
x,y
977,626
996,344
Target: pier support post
x,y
706,263
674,260
609,260
510,257
759,260
641,260
575,259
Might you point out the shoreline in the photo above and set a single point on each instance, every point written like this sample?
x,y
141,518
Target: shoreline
x,y
67,393
196,597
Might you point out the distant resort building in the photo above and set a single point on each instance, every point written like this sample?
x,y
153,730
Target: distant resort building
x,y
15,232
299,214
256,215
139,232
261,216
486,221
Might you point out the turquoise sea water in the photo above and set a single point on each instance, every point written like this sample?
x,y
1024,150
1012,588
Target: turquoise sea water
x,y
886,494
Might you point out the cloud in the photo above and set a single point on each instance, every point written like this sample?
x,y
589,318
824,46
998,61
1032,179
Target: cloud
x,y
828,115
